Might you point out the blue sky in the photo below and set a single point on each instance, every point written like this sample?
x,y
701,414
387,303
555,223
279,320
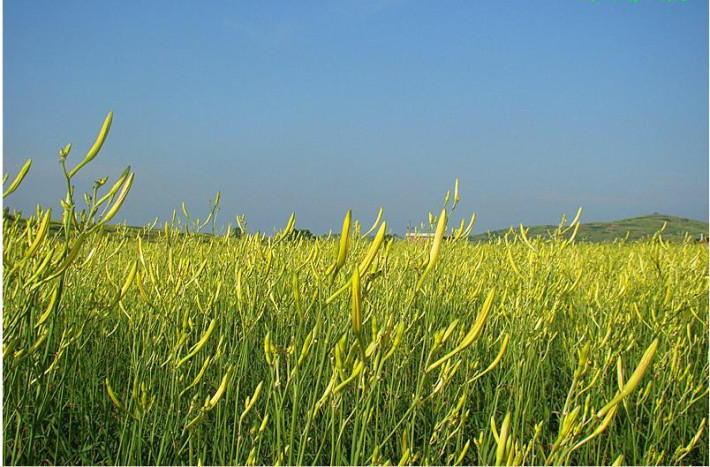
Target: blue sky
x,y
317,107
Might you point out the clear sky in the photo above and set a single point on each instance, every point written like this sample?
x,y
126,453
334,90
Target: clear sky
x,y
317,107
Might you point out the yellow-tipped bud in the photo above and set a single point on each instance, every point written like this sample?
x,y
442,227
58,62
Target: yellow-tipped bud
x,y
634,380
97,145
344,237
20,176
500,451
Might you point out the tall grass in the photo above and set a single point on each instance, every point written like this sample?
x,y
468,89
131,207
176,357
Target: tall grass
x,y
183,349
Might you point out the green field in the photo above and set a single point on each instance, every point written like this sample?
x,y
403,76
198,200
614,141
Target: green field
x,y
184,348
144,341
635,228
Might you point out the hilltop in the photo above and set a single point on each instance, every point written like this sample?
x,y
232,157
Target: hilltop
x,y
637,228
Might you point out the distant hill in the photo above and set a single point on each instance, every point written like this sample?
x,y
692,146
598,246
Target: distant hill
x,y
636,227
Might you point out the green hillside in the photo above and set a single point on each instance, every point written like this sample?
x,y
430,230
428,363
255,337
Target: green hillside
x,y
636,227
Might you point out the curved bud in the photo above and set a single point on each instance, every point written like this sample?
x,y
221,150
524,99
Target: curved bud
x,y
121,198
97,144
20,176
